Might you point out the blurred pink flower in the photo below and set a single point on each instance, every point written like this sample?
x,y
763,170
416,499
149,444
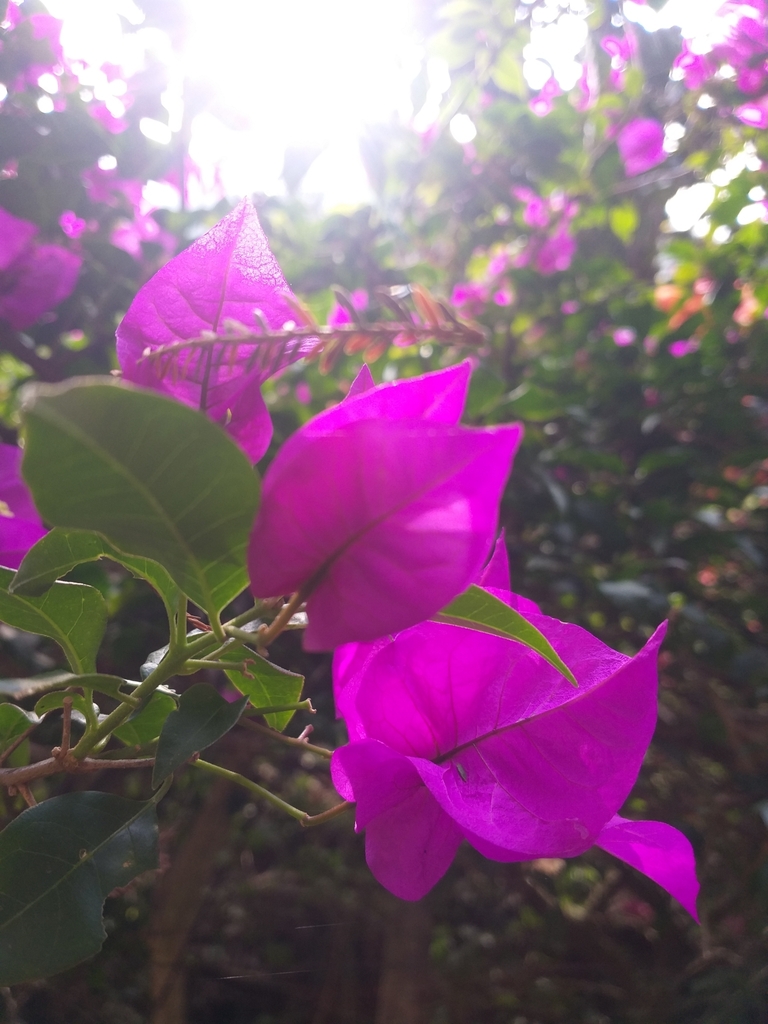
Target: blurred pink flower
x,y
624,336
34,277
641,145
20,524
72,225
754,113
470,297
678,349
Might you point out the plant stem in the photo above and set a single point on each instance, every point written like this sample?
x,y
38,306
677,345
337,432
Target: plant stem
x,y
278,624
332,812
252,787
303,705
168,667
291,741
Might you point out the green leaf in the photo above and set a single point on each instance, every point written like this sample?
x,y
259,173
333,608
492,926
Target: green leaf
x,y
147,722
61,550
477,609
201,718
157,479
624,220
269,686
507,72
31,686
13,722
58,863
55,700
532,403
73,615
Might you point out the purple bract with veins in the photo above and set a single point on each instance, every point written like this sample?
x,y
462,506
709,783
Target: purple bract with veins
x,y
227,275
20,525
381,509
457,734
33,277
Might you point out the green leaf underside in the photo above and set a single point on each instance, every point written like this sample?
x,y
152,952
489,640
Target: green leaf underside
x,y
146,724
60,550
58,863
479,610
55,700
269,687
156,478
72,614
202,717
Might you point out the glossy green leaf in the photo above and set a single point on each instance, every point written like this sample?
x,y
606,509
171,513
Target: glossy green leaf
x,y
73,615
55,700
477,609
61,550
267,685
13,722
58,863
157,479
147,722
202,717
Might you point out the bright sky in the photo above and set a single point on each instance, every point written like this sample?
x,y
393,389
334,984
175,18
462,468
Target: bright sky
x,y
307,73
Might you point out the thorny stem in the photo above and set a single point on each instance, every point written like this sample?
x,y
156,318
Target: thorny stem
x,y
450,331
290,740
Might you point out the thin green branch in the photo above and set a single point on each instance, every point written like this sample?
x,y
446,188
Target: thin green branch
x,y
252,787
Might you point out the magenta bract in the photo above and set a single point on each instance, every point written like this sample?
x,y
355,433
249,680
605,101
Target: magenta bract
x,y
641,145
20,525
224,276
383,509
457,734
33,278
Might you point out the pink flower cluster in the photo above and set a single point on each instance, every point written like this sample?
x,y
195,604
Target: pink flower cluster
x,y
551,246
742,45
378,513
34,276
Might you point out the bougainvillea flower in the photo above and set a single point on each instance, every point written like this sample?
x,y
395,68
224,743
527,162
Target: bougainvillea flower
x,y
457,734
382,509
33,277
641,145
20,525
557,252
227,275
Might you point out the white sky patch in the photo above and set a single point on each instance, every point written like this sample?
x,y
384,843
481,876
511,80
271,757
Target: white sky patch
x,y
310,73
688,205
287,73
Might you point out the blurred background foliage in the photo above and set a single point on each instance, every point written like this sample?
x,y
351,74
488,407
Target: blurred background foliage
x,y
640,492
